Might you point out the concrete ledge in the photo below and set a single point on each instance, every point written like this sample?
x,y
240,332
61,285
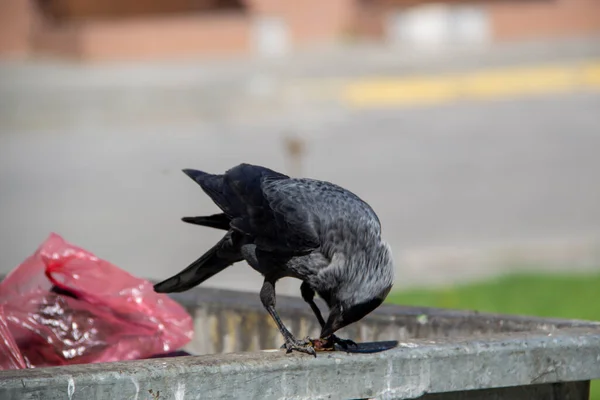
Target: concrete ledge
x,y
440,355
414,368
227,321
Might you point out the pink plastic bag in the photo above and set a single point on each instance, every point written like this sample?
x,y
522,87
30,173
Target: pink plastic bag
x,y
63,305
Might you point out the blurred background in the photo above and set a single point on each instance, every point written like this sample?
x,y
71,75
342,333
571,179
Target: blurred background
x,y
472,128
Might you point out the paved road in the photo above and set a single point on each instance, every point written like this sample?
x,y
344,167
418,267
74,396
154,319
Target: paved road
x,y
449,178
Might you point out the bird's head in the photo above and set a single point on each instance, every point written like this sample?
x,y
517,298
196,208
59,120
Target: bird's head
x,y
363,281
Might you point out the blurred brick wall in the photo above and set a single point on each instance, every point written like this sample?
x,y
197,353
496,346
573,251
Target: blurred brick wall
x,y
230,26
148,38
16,21
517,19
110,9
509,19
309,20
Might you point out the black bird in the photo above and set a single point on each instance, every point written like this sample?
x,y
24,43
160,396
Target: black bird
x,y
311,230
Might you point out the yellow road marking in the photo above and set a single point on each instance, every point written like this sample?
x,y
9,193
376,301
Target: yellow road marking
x,y
485,84
591,75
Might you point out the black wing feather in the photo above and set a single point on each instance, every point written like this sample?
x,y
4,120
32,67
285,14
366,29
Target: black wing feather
x,y
274,220
220,256
215,187
217,221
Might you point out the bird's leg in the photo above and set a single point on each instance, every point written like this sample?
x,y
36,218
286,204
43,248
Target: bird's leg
x,y
308,294
267,296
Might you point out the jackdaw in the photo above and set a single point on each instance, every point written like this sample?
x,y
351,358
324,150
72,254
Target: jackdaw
x,y
308,229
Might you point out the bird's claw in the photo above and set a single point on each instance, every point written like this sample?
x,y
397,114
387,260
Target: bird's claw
x,y
311,346
345,343
302,346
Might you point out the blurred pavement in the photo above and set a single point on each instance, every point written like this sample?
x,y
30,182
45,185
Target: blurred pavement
x,y
465,188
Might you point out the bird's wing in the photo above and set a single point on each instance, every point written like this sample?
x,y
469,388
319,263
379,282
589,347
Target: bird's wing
x,y
276,220
216,188
293,217
217,221
223,254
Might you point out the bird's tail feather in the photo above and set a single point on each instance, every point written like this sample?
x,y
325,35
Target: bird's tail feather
x,y
211,263
213,185
217,221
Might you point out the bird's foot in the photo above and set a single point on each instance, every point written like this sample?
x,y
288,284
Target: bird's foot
x,y
311,346
302,346
329,343
344,343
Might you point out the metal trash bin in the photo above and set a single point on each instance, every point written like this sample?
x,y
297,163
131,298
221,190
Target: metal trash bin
x,y
440,354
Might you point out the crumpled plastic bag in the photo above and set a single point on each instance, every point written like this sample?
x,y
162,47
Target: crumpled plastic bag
x,y
63,305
